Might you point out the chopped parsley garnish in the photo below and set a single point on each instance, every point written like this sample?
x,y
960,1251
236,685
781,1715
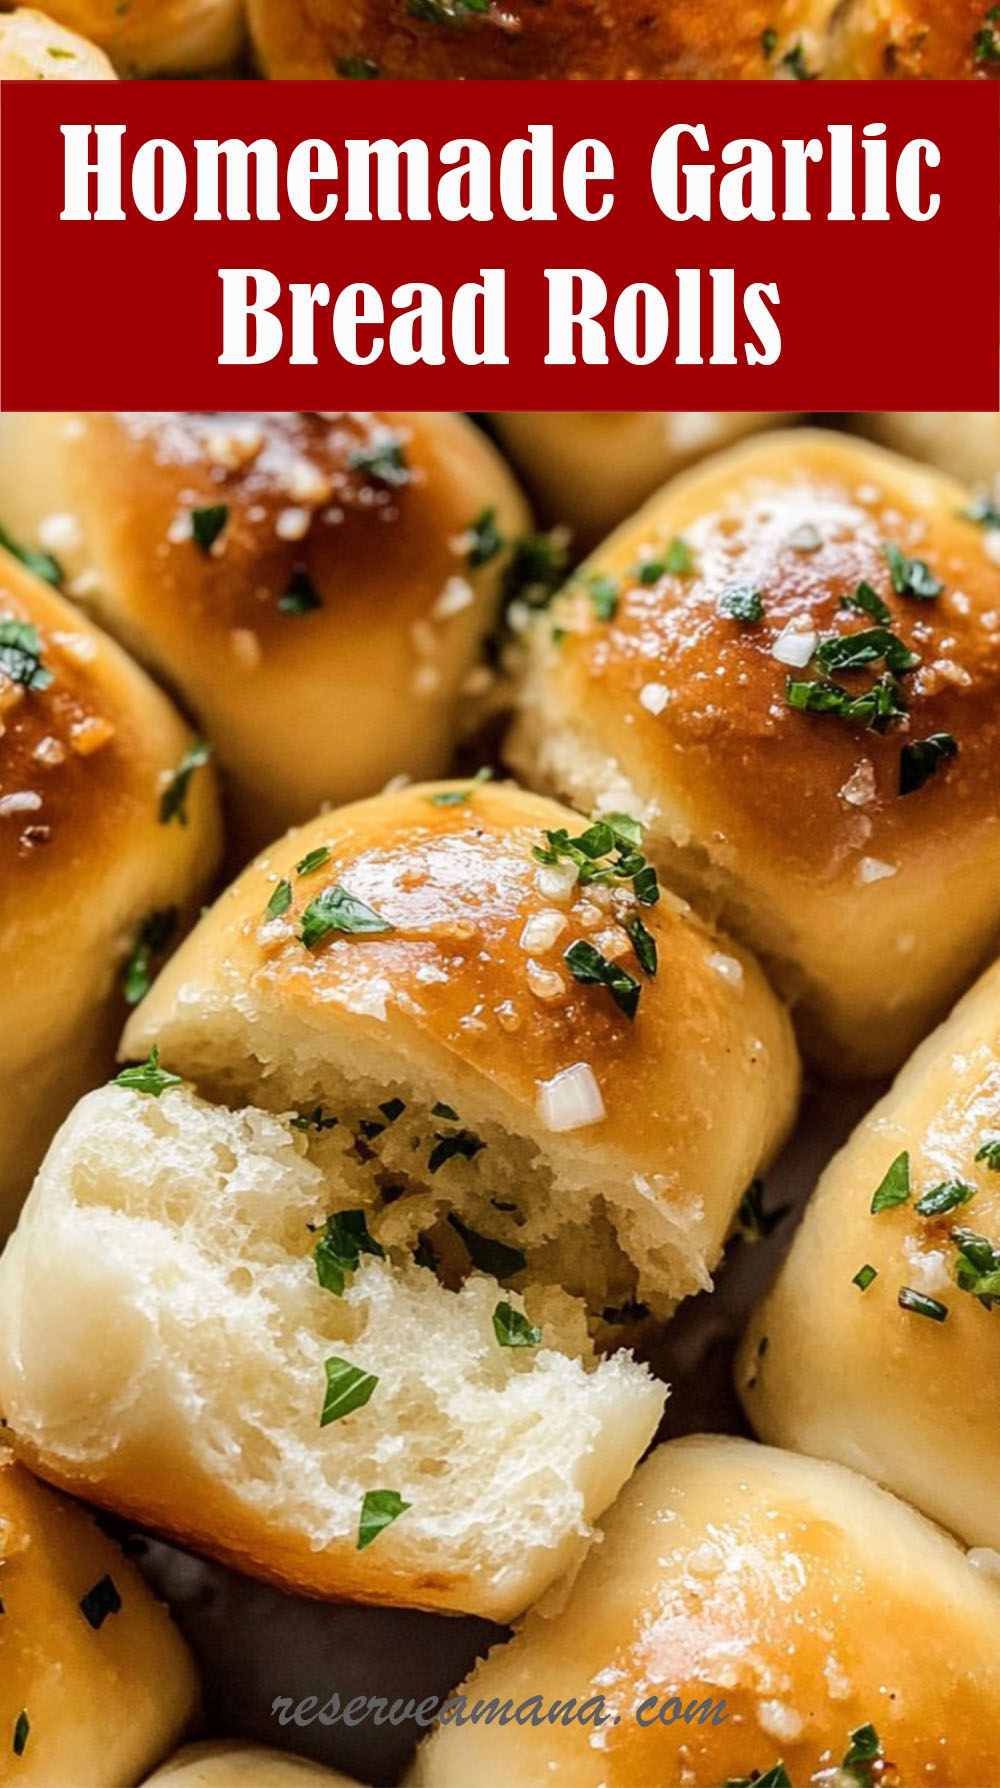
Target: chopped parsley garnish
x,y
99,1602
536,569
865,1748
486,1254
795,62
603,593
314,859
983,510
173,801
337,911
440,1110
207,524
379,1510
300,597
357,68
347,1388
606,852
485,539
383,460
457,797
946,1197
22,1727
977,1269
753,1222
875,709
911,577
678,559
986,41
42,564
463,1144
280,900
852,651
895,1187
338,1252
317,1119
922,758
446,12
643,943
989,1151
148,1077
768,42
864,1276
512,1329
391,1109
151,941
805,538
740,603
21,655
587,965
868,602
776,1777
919,1305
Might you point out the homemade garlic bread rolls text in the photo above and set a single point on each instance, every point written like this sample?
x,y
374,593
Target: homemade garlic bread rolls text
x,y
788,666
95,1683
745,1606
879,1345
109,833
316,588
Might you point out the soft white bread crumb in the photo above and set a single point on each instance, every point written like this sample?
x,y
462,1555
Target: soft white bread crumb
x,y
175,1372
33,48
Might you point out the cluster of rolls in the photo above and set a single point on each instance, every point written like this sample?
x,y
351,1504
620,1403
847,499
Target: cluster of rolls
x,y
518,39
351,1271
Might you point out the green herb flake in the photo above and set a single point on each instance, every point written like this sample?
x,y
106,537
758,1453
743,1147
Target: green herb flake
x,y
391,1109
587,965
358,68
864,1277
99,1602
768,42
921,759
207,524
383,460
753,1222
864,1749
21,655
876,709
603,593
347,1388
148,1077
989,1151
300,596
643,943
895,1187
983,510
911,577
335,911
22,1727
484,539
457,797
536,569
487,1254
853,651
512,1328
173,801
946,1197
440,1110
919,1305
776,1777
795,62
977,1269
741,602
867,601
315,859
379,1509
986,41
462,1144
280,900
317,1119
606,852
151,941
338,1252
42,564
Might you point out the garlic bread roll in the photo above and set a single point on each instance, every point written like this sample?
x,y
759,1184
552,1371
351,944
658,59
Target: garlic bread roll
x,y
237,1361
244,1766
109,834
317,588
966,444
942,40
589,469
96,1683
880,1323
788,666
624,1069
165,37
746,1606
33,48
442,39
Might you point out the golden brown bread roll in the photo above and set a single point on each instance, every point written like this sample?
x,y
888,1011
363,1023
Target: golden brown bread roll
x,y
34,48
96,1683
943,40
833,1363
845,822
781,1605
589,469
104,852
317,588
243,1766
167,37
966,444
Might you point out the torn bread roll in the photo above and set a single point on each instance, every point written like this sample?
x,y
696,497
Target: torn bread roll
x,y
109,833
244,1766
165,37
879,1344
788,666
97,1685
316,587
746,1606
588,469
964,444
34,48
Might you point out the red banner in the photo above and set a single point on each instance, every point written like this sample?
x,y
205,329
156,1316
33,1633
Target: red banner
x,y
549,245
